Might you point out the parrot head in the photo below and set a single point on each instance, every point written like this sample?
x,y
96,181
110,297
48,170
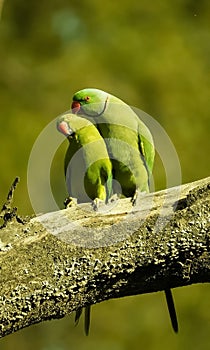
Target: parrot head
x,y
69,124
91,102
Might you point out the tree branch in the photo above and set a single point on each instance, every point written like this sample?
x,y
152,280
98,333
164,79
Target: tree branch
x,y
58,262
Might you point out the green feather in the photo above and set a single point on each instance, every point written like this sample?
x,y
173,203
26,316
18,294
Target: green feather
x,y
129,142
87,166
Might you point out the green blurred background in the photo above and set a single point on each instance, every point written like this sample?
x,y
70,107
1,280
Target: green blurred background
x,y
155,56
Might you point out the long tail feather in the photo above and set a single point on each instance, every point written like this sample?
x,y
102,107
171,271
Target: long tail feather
x,y
77,316
171,309
87,319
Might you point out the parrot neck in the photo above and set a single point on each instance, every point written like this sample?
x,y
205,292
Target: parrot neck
x,y
87,134
95,113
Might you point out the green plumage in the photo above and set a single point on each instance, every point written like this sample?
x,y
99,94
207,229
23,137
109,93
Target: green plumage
x,y
129,144
87,165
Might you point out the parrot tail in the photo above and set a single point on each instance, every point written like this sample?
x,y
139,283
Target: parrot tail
x,y
77,316
171,309
87,319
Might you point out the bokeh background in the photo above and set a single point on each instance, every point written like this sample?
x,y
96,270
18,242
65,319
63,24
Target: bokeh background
x,y
153,55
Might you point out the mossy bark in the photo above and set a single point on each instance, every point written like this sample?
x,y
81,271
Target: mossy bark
x,y
53,264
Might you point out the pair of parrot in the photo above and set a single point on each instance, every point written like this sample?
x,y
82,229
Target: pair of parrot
x,y
110,151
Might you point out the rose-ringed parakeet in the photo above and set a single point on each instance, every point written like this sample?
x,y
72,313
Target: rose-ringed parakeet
x,y
129,144
88,169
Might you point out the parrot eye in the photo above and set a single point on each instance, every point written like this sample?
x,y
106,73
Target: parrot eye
x,y
87,98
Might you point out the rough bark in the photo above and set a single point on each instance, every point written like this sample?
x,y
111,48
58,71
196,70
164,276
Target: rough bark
x,y
58,262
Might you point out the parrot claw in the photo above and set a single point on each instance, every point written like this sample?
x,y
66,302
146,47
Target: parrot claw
x,y
114,198
137,196
70,202
96,203
134,198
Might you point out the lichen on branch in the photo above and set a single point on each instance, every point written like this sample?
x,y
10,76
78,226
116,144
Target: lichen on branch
x,y
55,263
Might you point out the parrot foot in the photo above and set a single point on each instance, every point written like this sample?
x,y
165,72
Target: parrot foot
x,y
96,203
137,197
70,202
114,198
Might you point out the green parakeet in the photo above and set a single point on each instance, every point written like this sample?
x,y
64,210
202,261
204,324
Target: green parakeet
x,y
129,144
88,168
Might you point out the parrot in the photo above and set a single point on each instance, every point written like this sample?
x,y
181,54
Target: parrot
x,y
129,142
86,161
130,147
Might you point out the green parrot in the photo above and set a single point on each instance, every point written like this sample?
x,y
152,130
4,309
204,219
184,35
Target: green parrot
x,y
88,168
87,162
129,144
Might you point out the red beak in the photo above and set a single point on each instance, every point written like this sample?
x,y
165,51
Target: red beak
x,y
64,128
75,106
